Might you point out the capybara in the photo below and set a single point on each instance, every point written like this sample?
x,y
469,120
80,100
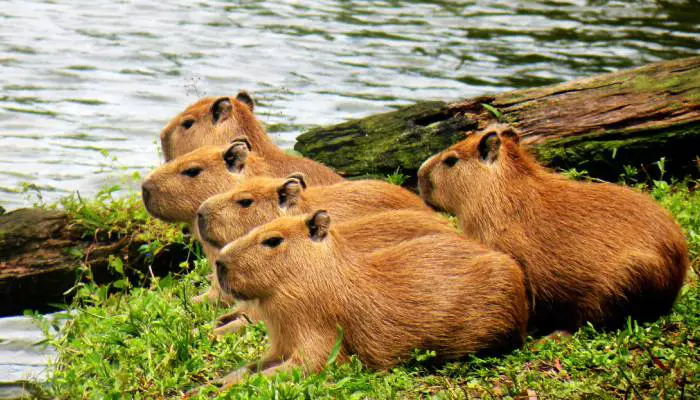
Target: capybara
x,y
309,284
591,252
255,201
176,189
218,120
365,234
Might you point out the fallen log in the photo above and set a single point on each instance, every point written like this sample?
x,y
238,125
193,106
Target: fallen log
x,y
600,124
43,254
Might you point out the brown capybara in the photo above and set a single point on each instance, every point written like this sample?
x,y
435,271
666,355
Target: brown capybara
x,y
591,252
364,234
175,190
255,201
309,283
218,120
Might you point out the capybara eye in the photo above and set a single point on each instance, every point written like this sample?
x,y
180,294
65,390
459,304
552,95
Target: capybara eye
x,y
187,124
450,161
192,172
245,203
272,242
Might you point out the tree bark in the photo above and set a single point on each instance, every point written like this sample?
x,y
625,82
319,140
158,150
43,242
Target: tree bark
x,y
600,124
43,255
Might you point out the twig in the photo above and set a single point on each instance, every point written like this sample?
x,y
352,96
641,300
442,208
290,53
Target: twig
x,y
624,375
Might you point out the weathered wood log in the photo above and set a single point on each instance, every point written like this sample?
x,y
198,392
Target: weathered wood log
x,y
599,124
43,254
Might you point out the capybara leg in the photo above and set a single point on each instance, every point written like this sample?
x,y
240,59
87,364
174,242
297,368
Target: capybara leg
x,y
230,323
268,366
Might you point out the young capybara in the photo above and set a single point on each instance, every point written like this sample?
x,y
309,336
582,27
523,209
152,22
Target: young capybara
x,y
364,234
216,121
591,252
255,201
309,284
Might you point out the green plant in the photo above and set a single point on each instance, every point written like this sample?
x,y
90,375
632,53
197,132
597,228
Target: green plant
x,y
397,177
154,343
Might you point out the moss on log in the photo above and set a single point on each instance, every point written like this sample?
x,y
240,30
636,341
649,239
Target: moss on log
x,y
381,143
43,254
600,124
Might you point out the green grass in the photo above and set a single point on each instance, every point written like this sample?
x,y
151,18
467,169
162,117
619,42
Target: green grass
x,y
154,343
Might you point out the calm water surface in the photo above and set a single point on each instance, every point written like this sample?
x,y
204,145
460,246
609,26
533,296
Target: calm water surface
x,y
86,87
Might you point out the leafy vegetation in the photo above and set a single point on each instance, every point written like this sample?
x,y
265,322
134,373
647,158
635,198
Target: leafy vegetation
x,y
397,177
155,343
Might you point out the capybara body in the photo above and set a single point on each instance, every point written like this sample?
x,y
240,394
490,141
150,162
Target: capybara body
x,y
591,252
364,234
218,120
258,200
308,281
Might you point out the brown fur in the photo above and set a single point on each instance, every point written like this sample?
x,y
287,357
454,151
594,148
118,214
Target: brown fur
x,y
365,234
170,195
223,218
218,120
417,294
591,252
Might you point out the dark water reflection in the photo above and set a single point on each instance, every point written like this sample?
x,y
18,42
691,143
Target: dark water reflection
x,y
78,79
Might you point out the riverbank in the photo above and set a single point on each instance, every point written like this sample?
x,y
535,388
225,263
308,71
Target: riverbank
x,y
124,340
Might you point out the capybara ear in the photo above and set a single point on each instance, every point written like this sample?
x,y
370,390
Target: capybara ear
x,y
510,133
300,177
319,224
221,109
489,145
289,192
235,157
245,98
504,131
244,140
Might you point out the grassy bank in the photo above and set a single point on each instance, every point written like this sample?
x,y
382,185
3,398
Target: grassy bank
x,y
121,341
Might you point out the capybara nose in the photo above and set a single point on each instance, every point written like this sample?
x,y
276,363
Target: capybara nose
x,y
146,188
425,186
202,224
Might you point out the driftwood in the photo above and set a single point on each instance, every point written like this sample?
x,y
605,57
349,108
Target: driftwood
x,y
43,255
599,124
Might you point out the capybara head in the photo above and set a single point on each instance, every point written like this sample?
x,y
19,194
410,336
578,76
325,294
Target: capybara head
x,y
255,201
198,125
253,266
175,190
475,166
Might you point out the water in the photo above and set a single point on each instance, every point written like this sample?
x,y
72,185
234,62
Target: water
x,y
20,358
85,82
78,80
